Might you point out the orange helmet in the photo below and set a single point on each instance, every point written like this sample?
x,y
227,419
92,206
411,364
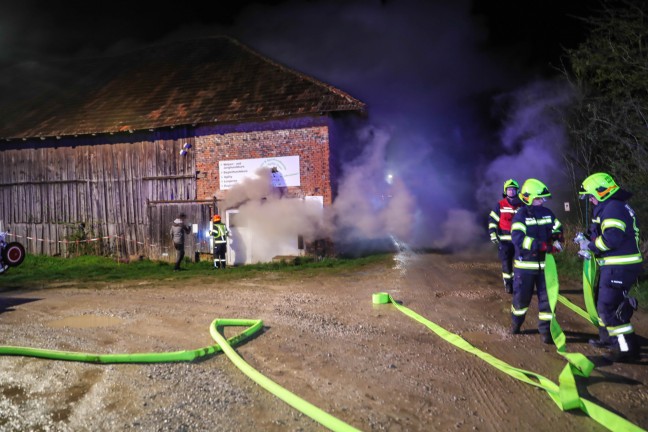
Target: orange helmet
x,y
216,218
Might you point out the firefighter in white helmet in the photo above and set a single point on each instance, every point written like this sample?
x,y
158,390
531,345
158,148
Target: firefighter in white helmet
x,y
535,232
499,229
219,233
613,238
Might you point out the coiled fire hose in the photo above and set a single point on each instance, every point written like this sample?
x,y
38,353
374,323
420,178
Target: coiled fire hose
x,y
565,395
222,344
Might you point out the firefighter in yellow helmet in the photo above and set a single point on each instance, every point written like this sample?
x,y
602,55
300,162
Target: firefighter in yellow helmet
x,y
499,229
613,239
219,235
535,232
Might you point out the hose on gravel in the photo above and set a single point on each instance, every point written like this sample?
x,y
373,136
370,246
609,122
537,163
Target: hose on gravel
x,y
565,395
222,344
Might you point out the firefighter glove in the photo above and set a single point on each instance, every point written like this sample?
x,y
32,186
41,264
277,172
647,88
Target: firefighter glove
x,y
494,239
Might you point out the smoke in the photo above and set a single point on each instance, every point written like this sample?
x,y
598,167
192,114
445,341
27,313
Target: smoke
x,y
533,140
429,84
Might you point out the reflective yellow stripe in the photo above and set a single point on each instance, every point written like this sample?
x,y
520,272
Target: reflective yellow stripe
x,y
518,312
620,260
599,243
545,316
527,242
494,216
505,237
519,226
613,223
529,265
507,210
619,330
492,225
507,275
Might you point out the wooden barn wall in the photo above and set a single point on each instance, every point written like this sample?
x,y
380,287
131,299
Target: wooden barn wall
x,y
52,190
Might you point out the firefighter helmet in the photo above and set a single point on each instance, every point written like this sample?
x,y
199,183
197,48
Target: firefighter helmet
x,y
510,183
216,218
532,189
600,185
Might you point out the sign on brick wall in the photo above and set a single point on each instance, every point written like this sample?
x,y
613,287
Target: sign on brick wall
x,y
285,171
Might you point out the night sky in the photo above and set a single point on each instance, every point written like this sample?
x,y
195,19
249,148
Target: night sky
x,y
461,93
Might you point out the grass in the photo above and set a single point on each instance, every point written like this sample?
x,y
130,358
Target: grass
x,y
570,266
44,270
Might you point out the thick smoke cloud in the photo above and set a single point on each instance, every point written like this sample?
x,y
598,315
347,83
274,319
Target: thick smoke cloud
x,y
419,67
533,141
430,86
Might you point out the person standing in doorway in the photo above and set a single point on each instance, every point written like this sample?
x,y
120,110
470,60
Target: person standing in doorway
x,y
499,229
178,231
219,234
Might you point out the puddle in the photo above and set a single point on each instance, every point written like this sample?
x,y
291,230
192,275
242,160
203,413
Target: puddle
x,y
86,321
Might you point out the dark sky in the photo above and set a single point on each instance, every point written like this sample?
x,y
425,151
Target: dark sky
x,y
460,93
529,33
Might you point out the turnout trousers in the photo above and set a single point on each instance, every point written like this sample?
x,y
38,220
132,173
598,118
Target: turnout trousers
x,y
524,282
219,255
612,306
505,252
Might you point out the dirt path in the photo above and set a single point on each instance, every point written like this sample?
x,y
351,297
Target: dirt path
x,y
370,366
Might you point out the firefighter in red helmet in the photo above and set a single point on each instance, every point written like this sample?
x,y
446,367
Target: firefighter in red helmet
x,y
499,229
219,235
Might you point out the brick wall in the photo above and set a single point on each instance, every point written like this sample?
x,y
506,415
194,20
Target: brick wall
x,y
311,144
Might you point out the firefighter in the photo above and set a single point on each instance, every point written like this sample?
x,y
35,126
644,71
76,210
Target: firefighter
x,y
535,232
499,229
614,239
219,233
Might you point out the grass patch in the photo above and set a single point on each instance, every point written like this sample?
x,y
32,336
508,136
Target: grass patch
x,y
46,270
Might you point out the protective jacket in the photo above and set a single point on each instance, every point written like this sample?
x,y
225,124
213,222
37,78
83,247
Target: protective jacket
x,y
533,227
501,218
614,235
220,232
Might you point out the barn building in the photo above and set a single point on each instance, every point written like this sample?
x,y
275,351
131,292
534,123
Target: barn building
x,y
93,162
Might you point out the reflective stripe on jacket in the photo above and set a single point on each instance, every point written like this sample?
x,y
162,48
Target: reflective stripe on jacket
x,y
532,226
615,234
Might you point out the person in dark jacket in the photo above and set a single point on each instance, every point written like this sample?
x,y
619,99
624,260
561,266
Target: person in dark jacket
x,y
178,231
499,229
613,238
535,232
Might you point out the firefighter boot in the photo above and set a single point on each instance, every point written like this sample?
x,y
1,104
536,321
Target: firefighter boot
x,y
625,349
216,264
603,340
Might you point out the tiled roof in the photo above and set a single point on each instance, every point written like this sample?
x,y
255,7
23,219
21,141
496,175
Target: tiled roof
x,y
206,81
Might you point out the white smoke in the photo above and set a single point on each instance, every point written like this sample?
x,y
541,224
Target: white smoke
x,y
532,141
367,208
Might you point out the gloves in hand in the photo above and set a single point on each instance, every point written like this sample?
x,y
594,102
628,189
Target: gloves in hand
x,y
584,244
557,246
494,239
545,247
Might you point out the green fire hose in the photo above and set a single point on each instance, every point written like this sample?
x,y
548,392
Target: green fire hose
x,y
565,395
222,344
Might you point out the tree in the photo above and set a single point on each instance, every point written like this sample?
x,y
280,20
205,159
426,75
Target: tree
x,y
608,120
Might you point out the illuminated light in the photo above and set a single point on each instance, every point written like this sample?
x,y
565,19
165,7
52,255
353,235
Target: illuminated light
x,y
389,178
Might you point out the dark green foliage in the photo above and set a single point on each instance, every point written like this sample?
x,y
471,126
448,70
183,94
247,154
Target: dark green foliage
x,y
608,122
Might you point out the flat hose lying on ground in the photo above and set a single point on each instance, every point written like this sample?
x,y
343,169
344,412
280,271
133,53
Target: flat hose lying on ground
x,y
564,395
222,344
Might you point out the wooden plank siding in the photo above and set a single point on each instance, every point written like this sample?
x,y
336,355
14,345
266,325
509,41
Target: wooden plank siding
x,y
49,188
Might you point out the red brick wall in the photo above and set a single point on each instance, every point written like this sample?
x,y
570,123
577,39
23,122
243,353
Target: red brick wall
x,y
311,144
